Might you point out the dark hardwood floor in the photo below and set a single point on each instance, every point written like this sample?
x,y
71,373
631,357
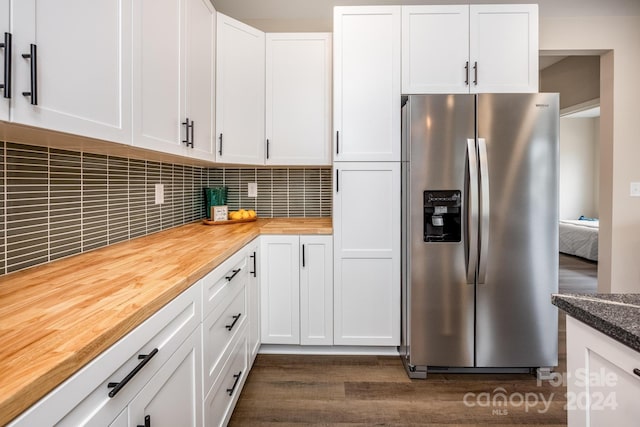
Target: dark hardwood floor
x,y
287,390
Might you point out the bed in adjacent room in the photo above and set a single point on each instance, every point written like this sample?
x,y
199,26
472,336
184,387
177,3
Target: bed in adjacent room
x,y
579,237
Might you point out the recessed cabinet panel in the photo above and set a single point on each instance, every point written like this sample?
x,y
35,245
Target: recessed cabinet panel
x,y
239,92
173,396
367,83
366,220
298,98
435,49
366,303
158,75
365,207
81,57
200,80
316,292
504,44
280,289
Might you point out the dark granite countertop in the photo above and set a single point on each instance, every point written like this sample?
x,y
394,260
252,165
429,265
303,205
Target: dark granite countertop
x,y
615,315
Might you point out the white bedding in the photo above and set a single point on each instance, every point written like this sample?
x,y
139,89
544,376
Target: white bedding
x,y
580,238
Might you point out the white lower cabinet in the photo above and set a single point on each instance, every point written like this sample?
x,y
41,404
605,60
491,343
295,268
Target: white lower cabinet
x,y
221,399
89,398
296,290
603,378
185,365
253,295
173,397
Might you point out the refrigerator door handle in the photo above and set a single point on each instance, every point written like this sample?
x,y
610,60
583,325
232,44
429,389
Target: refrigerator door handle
x,y
472,212
484,210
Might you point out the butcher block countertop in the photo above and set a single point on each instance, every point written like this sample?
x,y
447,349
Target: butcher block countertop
x,y
57,317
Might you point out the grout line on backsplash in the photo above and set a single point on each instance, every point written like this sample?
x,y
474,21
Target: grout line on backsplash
x,y
56,203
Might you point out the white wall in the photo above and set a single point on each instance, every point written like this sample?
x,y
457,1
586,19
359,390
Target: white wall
x,y
578,167
617,39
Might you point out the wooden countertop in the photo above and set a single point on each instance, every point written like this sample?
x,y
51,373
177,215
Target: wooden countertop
x,y
57,317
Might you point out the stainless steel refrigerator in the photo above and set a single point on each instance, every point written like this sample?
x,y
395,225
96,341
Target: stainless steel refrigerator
x,y
479,232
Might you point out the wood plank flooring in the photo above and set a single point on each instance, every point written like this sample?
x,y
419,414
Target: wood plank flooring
x,y
285,390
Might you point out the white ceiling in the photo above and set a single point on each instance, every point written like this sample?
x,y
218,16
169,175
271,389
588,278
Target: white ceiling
x,y
316,15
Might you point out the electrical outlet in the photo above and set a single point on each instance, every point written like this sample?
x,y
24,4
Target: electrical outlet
x,y
635,189
252,189
159,194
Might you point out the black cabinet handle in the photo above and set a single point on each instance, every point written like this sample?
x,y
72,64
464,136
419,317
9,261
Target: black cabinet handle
x,y
254,264
466,69
303,262
188,127
147,421
118,386
230,278
220,150
33,56
636,371
267,148
337,142
193,125
235,320
337,181
235,383
475,73
6,85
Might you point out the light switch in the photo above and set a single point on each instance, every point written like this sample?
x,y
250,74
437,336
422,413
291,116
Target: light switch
x,y
635,189
252,189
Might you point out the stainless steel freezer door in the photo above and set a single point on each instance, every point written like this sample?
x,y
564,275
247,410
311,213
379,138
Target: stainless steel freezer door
x,y
516,324
440,299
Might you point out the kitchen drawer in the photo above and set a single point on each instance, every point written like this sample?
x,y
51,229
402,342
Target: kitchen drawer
x,y
218,285
219,329
84,398
219,403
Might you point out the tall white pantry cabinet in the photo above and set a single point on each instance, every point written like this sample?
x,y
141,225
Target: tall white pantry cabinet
x,y
366,219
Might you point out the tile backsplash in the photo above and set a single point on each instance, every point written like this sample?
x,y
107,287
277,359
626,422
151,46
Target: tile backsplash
x,y
55,203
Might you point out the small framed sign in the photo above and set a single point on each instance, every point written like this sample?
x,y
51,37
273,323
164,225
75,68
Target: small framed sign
x,y
219,213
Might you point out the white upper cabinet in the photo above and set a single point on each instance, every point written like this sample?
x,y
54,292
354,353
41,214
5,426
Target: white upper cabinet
x,y
470,49
5,52
298,98
239,93
435,49
76,77
366,61
504,45
173,76
200,75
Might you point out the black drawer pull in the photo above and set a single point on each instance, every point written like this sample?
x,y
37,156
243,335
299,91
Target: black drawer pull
x,y
235,320
636,371
230,278
147,421
118,386
235,383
